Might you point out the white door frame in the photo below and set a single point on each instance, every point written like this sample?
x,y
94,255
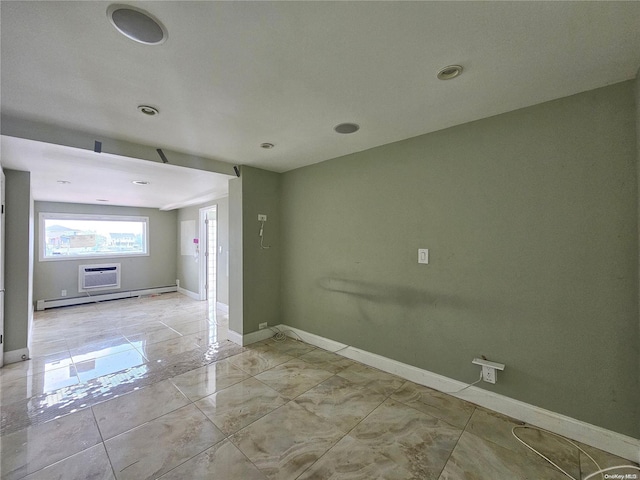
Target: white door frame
x,y
2,225
202,249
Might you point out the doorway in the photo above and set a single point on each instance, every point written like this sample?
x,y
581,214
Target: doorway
x,y
208,258
2,195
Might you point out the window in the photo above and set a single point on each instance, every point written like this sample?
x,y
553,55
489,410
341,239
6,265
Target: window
x,y
66,236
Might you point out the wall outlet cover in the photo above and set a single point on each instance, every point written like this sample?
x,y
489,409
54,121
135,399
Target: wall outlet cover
x,y
489,374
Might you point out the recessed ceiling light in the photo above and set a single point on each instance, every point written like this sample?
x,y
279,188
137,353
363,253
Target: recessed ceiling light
x,y
140,182
136,24
346,128
63,182
267,145
449,72
101,200
148,110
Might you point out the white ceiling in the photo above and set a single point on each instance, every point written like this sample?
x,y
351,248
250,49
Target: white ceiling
x,y
108,177
235,74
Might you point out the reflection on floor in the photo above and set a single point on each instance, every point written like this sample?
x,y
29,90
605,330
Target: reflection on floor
x,y
150,388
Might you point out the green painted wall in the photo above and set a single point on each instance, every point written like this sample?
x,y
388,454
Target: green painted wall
x,y
188,268
236,264
18,261
532,224
254,271
156,270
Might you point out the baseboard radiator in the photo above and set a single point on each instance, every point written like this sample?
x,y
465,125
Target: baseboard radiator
x,y
65,302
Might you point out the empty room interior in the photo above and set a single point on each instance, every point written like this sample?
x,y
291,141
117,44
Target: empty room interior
x,y
319,240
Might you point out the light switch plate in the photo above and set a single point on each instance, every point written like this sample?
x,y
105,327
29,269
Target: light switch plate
x,y
423,255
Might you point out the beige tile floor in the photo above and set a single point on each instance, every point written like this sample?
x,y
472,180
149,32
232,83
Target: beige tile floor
x,y
150,388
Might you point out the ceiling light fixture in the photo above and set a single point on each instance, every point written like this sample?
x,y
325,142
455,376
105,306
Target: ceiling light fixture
x,y
63,182
136,24
267,146
346,128
101,200
449,72
148,110
140,182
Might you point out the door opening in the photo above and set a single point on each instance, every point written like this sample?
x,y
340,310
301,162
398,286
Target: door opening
x,y
208,270
2,195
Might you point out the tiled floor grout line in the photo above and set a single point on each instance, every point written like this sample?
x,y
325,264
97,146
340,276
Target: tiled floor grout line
x,y
181,365
350,430
84,384
444,465
104,445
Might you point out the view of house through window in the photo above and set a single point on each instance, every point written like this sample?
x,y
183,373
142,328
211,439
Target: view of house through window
x,y
64,236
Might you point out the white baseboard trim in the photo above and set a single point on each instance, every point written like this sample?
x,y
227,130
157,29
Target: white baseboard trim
x,y
249,338
189,293
223,307
598,437
65,302
15,356
258,336
235,337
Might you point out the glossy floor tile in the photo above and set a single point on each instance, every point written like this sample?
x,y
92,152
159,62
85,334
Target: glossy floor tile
x,y
104,365
440,405
223,461
150,387
154,448
239,405
202,382
90,464
286,442
254,362
419,443
473,454
21,388
293,378
135,408
352,459
29,450
340,402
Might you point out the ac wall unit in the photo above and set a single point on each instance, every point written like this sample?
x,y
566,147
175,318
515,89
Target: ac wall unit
x,y
99,277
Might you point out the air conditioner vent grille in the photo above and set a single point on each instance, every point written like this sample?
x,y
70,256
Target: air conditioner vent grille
x,y
99,277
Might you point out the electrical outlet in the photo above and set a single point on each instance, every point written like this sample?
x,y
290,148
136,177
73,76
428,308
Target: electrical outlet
x,y
63,293
489,374
262,325
262,217
489,369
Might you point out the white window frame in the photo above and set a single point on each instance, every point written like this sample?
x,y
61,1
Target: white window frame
x,y
82,216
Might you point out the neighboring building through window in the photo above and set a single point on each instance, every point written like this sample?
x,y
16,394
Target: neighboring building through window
x,y
65,236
